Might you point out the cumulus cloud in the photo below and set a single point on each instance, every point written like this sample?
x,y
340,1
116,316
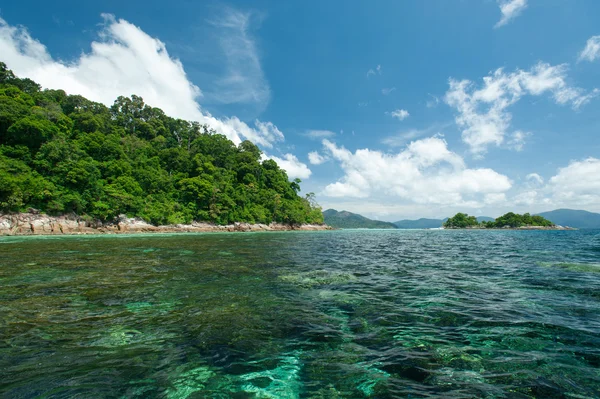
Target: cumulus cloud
x,y
315,158
400,114
293,167
510,9
483,112
591,52
577,184
425,172
124,61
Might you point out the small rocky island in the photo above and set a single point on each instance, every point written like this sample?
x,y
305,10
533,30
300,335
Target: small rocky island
x,y
509,220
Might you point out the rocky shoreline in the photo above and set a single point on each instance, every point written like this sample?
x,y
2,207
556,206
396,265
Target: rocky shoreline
x,y
34,223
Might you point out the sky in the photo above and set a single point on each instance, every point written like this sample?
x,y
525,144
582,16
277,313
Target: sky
x,y
391,109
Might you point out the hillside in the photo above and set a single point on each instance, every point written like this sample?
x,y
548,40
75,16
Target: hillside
x,y
349,220
63,154
573,218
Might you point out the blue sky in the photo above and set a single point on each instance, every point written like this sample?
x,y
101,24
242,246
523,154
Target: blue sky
x,y
407,109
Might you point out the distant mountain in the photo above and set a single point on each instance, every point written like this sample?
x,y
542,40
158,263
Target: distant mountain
x,y
419,224
430,223
573,218
349,220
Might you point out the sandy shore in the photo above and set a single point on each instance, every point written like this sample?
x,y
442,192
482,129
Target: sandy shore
x,y
40,224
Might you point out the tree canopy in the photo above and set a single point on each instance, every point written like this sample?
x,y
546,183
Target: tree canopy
x,y
62,153
461,221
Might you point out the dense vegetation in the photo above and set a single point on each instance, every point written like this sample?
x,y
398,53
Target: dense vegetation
x,y
509,220
461,221
62,153
349,220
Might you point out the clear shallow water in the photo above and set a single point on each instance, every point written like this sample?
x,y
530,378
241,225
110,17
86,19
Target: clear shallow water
x,y
382,314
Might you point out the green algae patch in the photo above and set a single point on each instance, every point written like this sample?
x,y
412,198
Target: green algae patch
x,y
318,278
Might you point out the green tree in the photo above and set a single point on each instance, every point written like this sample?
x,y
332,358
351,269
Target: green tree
x,y
461,221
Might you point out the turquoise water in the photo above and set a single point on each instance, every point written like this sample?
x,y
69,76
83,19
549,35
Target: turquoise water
x,y
339,314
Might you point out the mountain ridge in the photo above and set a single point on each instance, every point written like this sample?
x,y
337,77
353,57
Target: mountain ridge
x,y
576,218
349,220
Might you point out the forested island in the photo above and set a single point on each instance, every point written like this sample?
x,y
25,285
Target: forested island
x,y
62,154
507,221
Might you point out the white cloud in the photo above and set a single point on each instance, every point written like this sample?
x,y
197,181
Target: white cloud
x,y
433,102
124,61
387,90
535,178
376,71
527,198
577,184
494,198
425,172
244,80
510,9
319,134
483,112
517,140
315,158
591,52
400,114
400,139
291,164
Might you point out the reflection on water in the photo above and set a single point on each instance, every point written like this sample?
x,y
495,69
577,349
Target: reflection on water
x,y
382,314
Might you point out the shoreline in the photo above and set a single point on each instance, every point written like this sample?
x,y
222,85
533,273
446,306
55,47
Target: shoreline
x,y
36,224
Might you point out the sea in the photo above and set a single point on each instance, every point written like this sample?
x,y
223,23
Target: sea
x,y
328,314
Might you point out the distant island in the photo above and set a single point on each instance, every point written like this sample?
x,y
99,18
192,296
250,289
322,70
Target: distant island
x,y
76,164
507,221
547,220
424,223
349,220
